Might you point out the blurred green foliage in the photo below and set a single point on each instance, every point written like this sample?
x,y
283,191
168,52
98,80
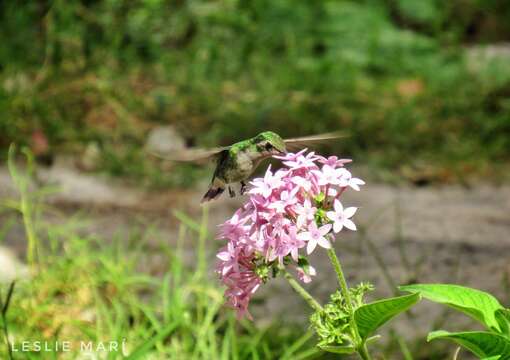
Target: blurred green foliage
x,y
399,76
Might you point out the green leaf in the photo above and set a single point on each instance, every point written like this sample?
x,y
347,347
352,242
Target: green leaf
x,y
481,343
479,305
338,349
371,316
141,351
503,319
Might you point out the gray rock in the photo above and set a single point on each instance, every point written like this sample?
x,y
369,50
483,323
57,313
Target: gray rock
x,y
91,157
77,188
480,58
11,268
164,140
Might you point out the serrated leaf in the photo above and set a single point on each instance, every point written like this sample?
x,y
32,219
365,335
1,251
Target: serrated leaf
x,y
503,319
477,304
486,345
371,316
338,349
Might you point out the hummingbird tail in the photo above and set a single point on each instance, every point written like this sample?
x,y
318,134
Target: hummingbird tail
x,y
212,193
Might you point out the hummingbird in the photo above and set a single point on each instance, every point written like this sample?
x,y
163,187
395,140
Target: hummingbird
x,y
236,163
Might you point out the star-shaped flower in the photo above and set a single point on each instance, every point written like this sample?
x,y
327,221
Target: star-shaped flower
x,y
341,217
315,236
266,185
286,199
346,179
302,162
334,161
330,176
306,213
234,228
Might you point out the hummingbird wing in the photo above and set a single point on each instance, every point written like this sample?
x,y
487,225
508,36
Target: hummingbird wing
x,y
305,141
198,155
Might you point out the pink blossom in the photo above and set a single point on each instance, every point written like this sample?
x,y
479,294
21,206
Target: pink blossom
x,y
330,175
294,243
315,236
334,161
306,213
280,218
306,275
345,179
233,228
300,162
290,156
266,185
287,198
302,182
229,258
341,217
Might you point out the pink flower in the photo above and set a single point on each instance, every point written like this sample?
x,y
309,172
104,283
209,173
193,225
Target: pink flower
x,y
341,217
266,185
329,175
229,258
306,276
302,182
300,162
233,228
346,179
287,198
279,219
306,213
334,161
290,156
315,236
294,243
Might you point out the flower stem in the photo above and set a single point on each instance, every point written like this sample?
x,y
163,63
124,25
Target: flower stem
x,y
363,353
301,291
341,279
344,289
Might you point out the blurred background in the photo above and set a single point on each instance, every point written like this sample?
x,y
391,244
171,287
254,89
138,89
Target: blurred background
x,y
421,88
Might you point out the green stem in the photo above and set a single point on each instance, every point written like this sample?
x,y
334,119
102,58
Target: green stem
x,y
301,291
363,353
341,279
29,228
362,347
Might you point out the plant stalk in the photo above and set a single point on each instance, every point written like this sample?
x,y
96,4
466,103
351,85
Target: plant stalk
x,y
344,289
314,304
341,279
363,352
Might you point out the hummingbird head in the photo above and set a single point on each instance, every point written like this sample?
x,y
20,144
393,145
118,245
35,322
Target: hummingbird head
x,y
269,143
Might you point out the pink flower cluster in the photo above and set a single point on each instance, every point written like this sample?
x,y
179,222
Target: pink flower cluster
x,y
289,212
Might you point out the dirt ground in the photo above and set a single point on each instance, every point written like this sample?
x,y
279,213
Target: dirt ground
x,y
407,234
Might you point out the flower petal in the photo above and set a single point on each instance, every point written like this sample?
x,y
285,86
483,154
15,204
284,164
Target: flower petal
x,y
224,255
331,215
350,211
324,243
305,236
349,225
310,247
325,229
338,206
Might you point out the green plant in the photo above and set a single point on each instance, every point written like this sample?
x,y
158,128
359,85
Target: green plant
x,y
289,211
494,343
87,288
